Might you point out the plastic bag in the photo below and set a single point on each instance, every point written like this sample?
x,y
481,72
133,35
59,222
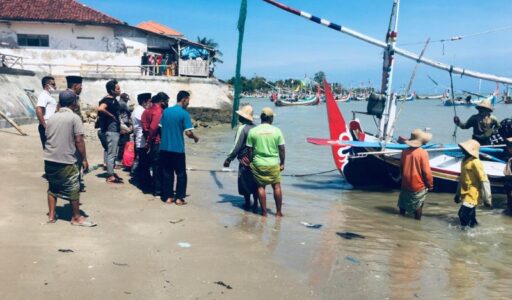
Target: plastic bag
x,y
129,154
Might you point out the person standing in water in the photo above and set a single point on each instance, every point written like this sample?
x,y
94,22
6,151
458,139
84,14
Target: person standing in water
x,y
417,177
484,124
267,155
473,184
246,184
508,177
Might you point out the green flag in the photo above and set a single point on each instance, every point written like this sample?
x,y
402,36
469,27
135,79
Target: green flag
x,y
238,83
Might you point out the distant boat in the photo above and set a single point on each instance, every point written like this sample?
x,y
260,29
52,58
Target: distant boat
x,y
432,97
343,98
403,98
467,101
313,100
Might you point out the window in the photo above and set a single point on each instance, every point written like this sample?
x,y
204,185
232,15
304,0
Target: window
x,y
33,40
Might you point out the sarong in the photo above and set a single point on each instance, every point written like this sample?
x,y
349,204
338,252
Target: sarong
x,y
62,180
265,175
411,201
246,183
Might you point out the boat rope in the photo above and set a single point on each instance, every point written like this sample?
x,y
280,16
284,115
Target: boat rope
x,y
460,37
381,44
408,89
226,170
454,135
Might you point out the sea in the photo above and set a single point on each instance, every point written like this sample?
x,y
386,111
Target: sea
x,y
360,247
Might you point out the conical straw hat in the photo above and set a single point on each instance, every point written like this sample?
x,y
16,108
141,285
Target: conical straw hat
x,y
472,147
485,104
246,112
418,138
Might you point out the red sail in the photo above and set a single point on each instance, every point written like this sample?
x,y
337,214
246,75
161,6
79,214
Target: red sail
x,y
338,129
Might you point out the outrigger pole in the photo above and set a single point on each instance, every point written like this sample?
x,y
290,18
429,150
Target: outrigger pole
x,y
402,52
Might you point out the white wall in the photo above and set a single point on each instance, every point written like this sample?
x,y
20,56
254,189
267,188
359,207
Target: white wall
x,y
67,50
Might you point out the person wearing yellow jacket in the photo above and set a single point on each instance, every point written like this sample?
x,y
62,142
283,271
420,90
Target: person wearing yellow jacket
x,y
474,185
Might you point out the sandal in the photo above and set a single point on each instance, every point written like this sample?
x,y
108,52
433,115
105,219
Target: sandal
x,y
85,224
114,181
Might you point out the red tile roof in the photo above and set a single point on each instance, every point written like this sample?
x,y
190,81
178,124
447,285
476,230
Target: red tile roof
x,y
66,11
158,28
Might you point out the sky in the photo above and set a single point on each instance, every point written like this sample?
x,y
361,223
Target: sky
x,y
280,45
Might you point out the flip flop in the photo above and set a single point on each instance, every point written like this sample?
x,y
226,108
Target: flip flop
x,y
85,224
51,221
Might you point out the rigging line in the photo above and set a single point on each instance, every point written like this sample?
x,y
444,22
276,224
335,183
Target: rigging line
x,y
460,37
234,171
454,135
409,85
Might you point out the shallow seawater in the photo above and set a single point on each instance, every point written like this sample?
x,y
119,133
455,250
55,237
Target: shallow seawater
x,y
397,258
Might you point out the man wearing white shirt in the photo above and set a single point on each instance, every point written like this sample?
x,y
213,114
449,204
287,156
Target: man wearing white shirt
x,y
46,106
141,165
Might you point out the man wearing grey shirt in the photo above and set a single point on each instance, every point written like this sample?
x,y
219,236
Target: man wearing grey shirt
x,y
65,136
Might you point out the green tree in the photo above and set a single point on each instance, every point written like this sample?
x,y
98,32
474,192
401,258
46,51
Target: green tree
x,y
215,46
319,77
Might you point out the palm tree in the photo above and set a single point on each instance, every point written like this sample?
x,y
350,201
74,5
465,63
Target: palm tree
x,y
216,58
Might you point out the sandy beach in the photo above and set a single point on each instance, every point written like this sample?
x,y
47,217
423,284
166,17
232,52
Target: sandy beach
x,y
133,253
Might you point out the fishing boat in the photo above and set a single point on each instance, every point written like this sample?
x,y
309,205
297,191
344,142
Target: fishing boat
x,y
343,98
312,100
432,97
404,98
468,101
369,159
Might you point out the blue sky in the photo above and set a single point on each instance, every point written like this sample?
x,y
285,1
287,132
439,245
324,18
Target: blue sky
x,y
280,45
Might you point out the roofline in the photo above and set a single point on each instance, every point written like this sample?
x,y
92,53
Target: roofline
x,y
3,19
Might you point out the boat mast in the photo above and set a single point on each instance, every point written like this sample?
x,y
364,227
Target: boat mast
x,y
385,128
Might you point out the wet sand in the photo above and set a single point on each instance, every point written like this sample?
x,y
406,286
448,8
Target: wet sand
x,y
134,251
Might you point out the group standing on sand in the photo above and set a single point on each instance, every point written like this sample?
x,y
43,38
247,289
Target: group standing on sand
x,y
158,135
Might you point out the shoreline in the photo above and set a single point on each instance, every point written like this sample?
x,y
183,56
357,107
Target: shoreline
x,y
133,252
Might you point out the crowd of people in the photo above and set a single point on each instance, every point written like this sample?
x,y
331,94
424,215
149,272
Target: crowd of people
x,y
157,132
158,64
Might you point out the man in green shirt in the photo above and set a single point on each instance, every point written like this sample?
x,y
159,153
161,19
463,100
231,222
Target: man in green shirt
x,y
267,153
484,124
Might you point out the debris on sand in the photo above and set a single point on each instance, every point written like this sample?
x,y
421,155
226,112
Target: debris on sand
x,y
221,283
311,225
352,260
66,250
176,222
350,235
120,264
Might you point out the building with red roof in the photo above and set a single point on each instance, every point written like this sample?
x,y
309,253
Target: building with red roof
x,y
66,37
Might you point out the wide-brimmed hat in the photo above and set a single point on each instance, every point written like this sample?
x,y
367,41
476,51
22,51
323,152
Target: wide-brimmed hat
x,y
419,138
472,147
246,112
485,104
267,111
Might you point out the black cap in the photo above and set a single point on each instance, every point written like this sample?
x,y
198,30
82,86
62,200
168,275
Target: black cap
x,y
66,98
73,80
144,96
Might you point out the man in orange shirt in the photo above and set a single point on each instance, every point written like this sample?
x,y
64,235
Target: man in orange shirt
x,y
416,174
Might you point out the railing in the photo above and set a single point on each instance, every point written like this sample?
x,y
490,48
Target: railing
x,y
11,61
187,68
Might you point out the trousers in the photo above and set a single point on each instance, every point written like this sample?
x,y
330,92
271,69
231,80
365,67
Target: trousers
x,y
173,164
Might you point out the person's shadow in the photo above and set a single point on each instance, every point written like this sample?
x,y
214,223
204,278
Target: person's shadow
x,y
236,201
64,212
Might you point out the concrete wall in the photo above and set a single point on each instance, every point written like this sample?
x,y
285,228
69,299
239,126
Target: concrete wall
x,y
14,100
205,92
16,104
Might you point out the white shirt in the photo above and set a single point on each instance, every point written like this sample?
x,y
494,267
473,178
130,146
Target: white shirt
x,y
49,104
140,142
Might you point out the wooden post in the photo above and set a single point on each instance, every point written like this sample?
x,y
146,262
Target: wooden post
x,y
178,60
13,124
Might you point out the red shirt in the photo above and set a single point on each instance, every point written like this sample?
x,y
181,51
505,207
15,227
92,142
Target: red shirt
x,y
151,123
415,170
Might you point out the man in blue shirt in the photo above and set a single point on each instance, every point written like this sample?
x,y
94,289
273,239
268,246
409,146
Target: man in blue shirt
x,y
174,122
